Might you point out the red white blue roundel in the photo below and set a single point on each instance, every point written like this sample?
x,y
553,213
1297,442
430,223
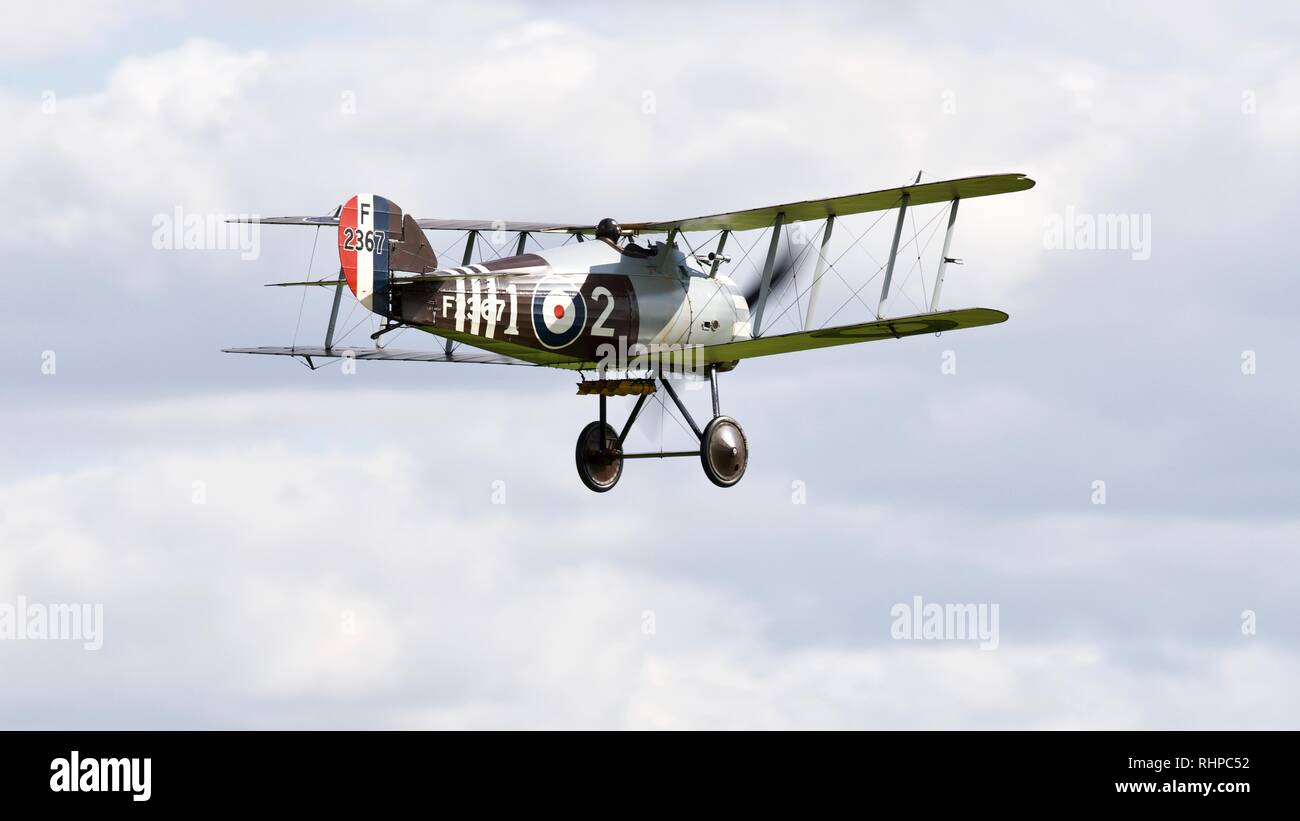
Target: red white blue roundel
x,y
559,313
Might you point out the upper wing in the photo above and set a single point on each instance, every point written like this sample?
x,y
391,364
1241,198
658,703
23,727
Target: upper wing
x,y
509,226
847,334
922,194
329,219
437,276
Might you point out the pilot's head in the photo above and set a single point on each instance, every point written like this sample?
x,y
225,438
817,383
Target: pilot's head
x,y
608,229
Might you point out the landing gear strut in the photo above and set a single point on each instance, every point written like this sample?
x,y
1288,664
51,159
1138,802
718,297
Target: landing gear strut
x,y
723,449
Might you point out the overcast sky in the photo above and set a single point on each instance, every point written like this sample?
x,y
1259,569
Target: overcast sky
x,y
348,566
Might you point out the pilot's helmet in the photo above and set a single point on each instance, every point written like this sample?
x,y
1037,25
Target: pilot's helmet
x,y
608,229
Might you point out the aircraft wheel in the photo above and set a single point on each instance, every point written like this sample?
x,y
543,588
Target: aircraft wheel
x,y
598,467
724,452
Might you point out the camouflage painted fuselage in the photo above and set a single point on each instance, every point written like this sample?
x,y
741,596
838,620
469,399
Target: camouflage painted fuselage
x,y
572,306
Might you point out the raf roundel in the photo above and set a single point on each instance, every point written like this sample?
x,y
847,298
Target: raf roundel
x,y
559,313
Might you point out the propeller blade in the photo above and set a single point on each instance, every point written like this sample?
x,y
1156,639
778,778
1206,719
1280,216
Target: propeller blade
x,y
785,264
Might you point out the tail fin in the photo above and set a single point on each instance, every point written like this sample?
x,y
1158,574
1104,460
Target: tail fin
x,y
375,238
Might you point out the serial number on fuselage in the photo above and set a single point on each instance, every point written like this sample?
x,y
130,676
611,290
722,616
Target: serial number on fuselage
x,y
552,312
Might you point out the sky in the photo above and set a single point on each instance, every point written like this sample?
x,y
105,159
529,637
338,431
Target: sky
x,y
408,546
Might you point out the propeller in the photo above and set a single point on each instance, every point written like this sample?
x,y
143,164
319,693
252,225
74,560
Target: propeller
x,y
786,263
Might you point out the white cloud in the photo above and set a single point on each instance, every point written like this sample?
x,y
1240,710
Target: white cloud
x,y
214,127
350,582
46,29
1056,686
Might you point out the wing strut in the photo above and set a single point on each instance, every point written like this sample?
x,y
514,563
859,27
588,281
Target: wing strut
x,y
944,259
893,254
766,283
469,248
334,314
717,255
819,270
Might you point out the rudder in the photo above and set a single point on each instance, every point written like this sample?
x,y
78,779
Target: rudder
x,y
375,239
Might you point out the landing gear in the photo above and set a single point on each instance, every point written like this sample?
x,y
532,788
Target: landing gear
x,y
723,450
599,458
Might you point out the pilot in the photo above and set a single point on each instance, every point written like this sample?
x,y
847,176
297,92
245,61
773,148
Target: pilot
x,y
609,231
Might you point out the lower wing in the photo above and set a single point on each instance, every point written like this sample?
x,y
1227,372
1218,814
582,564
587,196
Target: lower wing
x,y
308,352
896,328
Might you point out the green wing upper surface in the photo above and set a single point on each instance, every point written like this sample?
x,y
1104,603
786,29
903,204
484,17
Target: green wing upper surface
x,y
896,328
921,194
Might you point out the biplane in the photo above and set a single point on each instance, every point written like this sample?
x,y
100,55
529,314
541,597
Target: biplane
x,y
635,317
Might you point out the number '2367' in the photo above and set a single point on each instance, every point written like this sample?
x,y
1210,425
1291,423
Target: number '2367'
x,y
355,239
